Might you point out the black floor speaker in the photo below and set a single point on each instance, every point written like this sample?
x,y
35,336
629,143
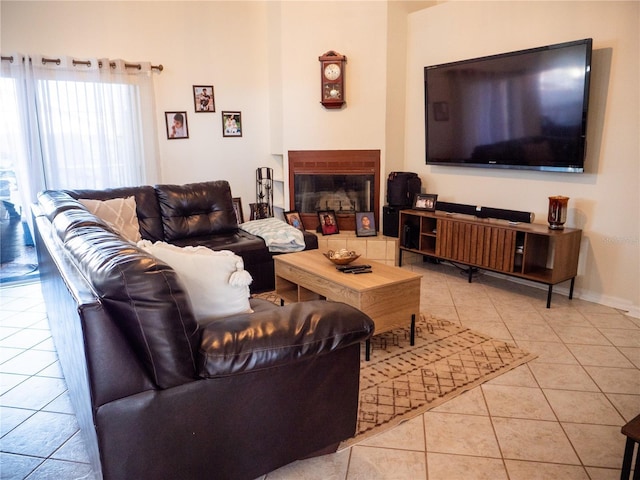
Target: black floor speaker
x,y
390,219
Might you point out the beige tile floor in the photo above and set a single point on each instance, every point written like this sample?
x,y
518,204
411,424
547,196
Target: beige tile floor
x,y
557,417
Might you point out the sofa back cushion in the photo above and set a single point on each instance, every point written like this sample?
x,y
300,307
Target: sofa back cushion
x,y
142,295
196,209
52,202
119,213
147,208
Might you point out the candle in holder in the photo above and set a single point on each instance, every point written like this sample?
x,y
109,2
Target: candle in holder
x,y
557,212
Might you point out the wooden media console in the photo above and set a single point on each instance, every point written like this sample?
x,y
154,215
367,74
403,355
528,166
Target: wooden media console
x,y
525,250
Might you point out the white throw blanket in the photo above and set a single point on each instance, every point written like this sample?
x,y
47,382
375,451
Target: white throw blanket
x,y
279,236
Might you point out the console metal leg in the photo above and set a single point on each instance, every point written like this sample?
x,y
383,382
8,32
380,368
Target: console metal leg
x,y
399,257
549,296
413,329
367,350
626,460
573,281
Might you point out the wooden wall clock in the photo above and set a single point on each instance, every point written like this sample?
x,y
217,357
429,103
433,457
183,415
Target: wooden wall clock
x,y
332,79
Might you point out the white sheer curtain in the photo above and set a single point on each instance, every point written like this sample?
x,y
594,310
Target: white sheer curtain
x,y
20,158
86,123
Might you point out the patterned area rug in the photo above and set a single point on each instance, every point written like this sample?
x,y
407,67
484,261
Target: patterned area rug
x,y
402,381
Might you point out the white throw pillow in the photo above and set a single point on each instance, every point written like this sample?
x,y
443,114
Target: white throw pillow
x,y
216,281
120,213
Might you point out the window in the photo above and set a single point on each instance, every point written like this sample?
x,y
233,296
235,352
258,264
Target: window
x,y
89,134
70,124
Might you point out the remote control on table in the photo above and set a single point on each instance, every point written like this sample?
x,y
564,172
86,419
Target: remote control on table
x,y
348,268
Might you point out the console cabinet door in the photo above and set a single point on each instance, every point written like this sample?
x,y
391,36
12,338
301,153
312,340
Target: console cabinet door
x,y
474,244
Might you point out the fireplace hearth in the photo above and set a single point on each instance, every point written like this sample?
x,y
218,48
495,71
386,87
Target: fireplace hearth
x,y
346,181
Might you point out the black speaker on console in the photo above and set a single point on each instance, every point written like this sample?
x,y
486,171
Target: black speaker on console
x,y
486,212
390,218
457,208
510,215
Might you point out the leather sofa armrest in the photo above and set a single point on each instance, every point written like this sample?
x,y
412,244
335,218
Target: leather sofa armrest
x,y
279,336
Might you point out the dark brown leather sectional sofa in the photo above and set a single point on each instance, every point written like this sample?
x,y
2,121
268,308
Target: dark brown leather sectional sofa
x,y
198,214
158,396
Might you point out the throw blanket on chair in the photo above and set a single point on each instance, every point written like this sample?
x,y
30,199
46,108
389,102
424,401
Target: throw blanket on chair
x,y
279,236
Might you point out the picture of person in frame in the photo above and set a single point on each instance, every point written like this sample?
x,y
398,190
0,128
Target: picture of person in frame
x,y
328,223
205,101
293,219
365,224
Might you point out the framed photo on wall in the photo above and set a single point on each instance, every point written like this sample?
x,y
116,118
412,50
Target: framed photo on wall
x,y
328,222
293,219
425,201
176,125
237,207
203,99
231,124
365,224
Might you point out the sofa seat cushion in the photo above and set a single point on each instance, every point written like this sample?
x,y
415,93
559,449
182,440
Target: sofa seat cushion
x,y
278,336
252,249
216,282
196,209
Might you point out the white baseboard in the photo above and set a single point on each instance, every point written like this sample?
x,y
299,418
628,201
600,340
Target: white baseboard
x,y
607,301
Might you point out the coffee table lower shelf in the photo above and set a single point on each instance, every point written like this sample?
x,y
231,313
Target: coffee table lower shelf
x,y
389,295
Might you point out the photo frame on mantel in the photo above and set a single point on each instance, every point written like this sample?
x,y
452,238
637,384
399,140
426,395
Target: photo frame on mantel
x,y
365,224
328,222
237,207
293,218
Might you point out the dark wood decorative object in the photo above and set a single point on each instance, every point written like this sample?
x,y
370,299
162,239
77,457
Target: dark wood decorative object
x,y
332,70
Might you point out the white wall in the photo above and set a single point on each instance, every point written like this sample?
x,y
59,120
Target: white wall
x,y
354,29
605,201
198,43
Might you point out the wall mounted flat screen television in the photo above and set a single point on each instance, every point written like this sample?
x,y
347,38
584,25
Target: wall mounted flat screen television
x,y
522,110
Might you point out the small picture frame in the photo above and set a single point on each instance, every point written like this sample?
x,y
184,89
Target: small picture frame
x,y
365,224
231,124
203,99
328,223
237,207
177,127
293,218
425,201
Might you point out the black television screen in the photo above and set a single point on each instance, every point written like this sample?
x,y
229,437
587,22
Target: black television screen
x,y
524,109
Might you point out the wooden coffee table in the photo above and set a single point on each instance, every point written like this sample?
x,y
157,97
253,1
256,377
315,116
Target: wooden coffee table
x,y
389,295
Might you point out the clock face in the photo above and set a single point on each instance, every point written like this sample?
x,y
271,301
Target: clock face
x,y
332,71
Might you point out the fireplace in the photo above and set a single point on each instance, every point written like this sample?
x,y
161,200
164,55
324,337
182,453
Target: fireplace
x,y
346,181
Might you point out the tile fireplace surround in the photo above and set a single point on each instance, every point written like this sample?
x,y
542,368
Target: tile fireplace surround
x,y
381,248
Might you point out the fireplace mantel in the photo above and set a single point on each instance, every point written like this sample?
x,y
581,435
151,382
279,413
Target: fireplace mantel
x,y
339,164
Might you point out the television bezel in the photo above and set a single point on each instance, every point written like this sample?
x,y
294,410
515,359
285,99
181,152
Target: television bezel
x,y
545,168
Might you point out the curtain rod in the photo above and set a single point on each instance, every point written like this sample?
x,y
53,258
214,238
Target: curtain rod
x,y
88,63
